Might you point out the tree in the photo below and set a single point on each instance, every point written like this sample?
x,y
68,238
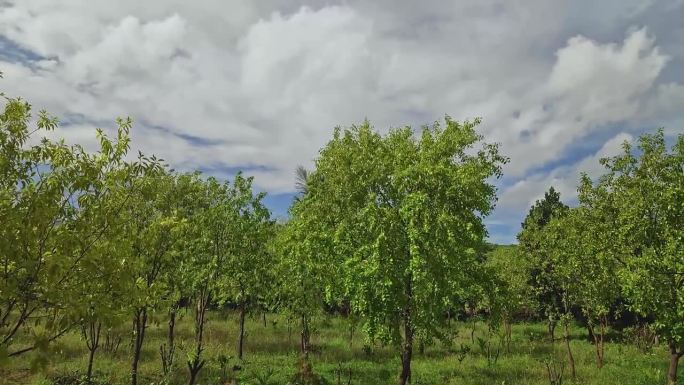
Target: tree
x,y
206,235
246,273
186,204
647,196
590,258
149,236
404,218
303,273
49,191
548,295
513,293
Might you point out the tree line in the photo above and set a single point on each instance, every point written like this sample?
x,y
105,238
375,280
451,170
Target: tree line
x,y
386,229
619,252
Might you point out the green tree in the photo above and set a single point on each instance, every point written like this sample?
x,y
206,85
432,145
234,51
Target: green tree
x,y
404,218
246,273
186,203
646,187
151,227
590,245
49,192
513,292
548,294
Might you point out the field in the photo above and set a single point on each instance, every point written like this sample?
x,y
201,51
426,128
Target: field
x,y
271,357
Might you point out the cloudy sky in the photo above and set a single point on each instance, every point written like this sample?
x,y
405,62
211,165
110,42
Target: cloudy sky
x,y
258,85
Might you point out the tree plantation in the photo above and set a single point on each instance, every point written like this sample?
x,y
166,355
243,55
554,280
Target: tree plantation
x,y
117,269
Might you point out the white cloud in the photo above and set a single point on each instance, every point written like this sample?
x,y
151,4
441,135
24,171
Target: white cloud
x,y
260,85
522,194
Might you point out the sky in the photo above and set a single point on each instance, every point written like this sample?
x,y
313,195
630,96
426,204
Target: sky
x,y
258,86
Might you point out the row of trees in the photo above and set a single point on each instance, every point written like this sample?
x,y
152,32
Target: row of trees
x,y
91,240
388,228
621,250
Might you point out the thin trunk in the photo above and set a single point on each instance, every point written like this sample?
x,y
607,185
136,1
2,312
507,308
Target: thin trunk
x,y
351,335
89,375
195,363
168,351
674,363
305,337
598,338
407,346
406,353
93,342
590,332
571,359
508,333
472,332
172,327
139,325
241,336
604,323
263,315
552,329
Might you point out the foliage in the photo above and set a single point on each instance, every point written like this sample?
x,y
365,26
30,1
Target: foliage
x,y
547,292
403,219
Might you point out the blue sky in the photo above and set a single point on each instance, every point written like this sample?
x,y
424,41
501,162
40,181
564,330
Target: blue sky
x,y
223,86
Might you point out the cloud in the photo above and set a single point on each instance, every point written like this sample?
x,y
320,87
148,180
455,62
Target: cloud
x,y
564,179
589,86
259,86
515,200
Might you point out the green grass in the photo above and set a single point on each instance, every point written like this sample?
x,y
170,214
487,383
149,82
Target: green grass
x,y
269,349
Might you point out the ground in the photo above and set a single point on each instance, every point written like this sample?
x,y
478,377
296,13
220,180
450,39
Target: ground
x,y
271,357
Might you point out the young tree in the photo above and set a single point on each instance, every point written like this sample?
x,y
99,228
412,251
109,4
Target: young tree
x,y
246,273
589,245
303,273
104,295
48,192
647,194
513,293
548,294
404,218
151,230
185,197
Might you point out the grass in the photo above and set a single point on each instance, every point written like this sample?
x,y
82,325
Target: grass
x,y
269,349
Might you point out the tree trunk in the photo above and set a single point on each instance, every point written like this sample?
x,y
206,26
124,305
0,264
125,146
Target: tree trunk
x,y
602,334
351,336
139,325
599,340
674,363
172,327
552,329
89,374
241,337
263,315
590,332
508,333
305,337
168,351
93,336
407,346
472,332
571,359
406,353
196,363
